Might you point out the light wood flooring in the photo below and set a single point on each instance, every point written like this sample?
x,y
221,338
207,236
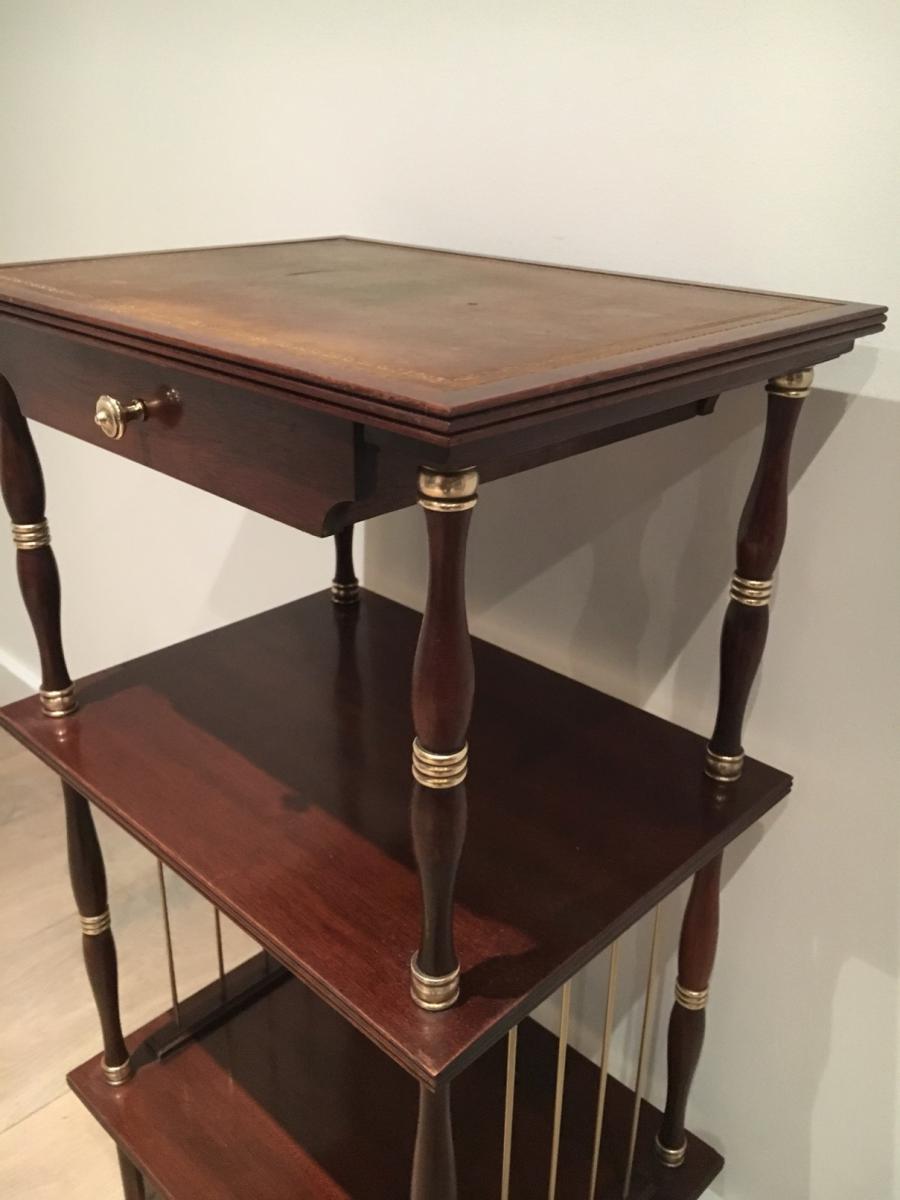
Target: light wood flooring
x,y
50,1148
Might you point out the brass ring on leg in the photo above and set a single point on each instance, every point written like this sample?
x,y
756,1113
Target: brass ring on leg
x,y
754,593
433,992
667,1156
94,926
59,703
31,537
439,770
345,593
795,385
724,768
116,1076
448,491
693,1001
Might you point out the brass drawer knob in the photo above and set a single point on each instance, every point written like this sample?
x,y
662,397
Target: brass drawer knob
x,y
113,417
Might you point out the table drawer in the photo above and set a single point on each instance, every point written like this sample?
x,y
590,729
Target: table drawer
x,y
257,448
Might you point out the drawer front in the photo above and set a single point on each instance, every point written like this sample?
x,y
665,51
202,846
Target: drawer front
x,y
261,450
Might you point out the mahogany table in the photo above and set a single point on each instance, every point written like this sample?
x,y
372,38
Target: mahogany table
x,y
321,383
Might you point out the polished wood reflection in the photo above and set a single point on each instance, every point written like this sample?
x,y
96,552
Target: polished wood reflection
x,y
293,817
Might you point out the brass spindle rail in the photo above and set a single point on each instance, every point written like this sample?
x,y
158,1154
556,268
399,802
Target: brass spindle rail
x,y
560,1084
512,1054
170,957
512,1046
642,1055
220,954
604,1062
603,1085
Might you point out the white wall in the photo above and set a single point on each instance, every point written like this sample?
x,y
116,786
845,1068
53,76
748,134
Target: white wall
x,y
730,143
130,126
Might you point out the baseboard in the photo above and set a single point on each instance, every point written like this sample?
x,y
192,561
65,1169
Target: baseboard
x,y
17,679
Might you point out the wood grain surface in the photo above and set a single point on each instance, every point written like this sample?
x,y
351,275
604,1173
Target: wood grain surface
x,y
400,330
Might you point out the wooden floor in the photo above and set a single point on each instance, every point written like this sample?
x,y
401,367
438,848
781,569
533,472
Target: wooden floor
x,y
50,1147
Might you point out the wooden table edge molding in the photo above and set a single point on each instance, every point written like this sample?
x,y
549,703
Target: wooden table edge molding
x,y
421,409
323,382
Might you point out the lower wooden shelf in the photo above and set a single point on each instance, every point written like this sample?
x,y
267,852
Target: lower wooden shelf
x,y
284,1100
268,763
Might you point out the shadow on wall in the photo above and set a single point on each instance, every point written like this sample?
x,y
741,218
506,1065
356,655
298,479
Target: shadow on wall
x,y
605,567
646,530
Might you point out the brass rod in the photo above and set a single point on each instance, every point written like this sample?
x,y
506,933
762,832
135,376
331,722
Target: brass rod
x,y
512,1046
220,954
604,1061
169,954
639,1078
560,1084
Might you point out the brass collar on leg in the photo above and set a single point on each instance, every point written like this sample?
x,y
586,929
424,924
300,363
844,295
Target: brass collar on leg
x,y
451,491
433,992
344,593
439,770
116,1076
691,1000
755,593
94,926
724,768
667,1156
59,703
31,537
795,385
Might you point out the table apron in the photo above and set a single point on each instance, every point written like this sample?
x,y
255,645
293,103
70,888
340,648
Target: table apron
x,y
263,452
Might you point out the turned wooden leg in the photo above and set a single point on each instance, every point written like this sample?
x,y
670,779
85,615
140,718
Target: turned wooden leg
x,y
434,1163
89,886
22,485
132,1179
345,585
687,1024
442,689
761,536
760,539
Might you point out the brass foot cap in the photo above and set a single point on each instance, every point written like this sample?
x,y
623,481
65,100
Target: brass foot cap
x,y
668,1157
59,703
724,768
433,992
116,1076
345,593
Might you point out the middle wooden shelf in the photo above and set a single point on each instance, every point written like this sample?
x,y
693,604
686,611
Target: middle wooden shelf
x,y
268,764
